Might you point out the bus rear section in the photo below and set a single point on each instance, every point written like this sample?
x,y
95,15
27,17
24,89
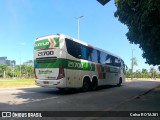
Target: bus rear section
x,y
48,62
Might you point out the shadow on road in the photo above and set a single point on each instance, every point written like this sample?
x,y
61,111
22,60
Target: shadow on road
x,y
54,91
21,96
26,95
108,96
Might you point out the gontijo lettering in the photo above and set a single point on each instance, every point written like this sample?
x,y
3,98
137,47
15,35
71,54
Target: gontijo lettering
x,y
42,44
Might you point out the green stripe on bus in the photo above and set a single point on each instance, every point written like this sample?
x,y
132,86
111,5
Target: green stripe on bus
x,y
72,64
68,64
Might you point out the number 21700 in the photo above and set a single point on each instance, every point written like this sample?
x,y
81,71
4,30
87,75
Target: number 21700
x,y
45,53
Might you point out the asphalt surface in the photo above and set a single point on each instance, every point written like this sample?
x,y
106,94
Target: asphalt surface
x,y
134,95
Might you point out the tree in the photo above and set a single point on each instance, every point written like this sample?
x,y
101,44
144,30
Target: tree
x,y
17,71
153,72
145,73
143,20
144,70
129,73
3,68
138,74
29,70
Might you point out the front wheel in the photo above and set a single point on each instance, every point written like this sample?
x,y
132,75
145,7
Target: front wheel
x,y
120,82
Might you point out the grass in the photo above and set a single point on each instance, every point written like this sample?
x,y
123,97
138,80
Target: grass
x,y
16,82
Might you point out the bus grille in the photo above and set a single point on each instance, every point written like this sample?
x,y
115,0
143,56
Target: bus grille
x,y
46,60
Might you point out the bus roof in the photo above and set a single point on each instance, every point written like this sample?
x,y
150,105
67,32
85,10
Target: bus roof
x,y
81,42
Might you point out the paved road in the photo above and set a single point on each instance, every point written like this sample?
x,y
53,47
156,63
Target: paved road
x,y
107,98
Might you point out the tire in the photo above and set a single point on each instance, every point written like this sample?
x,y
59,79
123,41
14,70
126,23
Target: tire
x,y
94,84
61,89
86,85
120,82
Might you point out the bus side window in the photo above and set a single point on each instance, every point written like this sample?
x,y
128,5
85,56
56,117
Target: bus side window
x,y
89,51
108,60
117,62
112,61
94,55
73,48
83,52
103,57
77,50
69,45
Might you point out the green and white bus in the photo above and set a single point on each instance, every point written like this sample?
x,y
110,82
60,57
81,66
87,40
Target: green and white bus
x,y
64,62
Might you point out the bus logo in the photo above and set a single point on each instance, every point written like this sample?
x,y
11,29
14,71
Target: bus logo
x,y
47,43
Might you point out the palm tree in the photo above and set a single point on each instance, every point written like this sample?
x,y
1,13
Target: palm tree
x,y
133,62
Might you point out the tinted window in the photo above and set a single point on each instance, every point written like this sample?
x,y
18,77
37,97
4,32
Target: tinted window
x,y
73,48
94,56
77,50
112,60
89,53
117,62
80,51
84,52
103,57
108,60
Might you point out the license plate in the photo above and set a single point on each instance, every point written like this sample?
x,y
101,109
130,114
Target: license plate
x,y
46,82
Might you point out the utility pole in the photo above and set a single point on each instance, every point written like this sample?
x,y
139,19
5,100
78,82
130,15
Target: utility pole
x,y
132,64
20,70
132,61
78,26
13,65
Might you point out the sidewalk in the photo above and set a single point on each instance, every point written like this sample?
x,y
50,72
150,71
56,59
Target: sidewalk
x,y
148,101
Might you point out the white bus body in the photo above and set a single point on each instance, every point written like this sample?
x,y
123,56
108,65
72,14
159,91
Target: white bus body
x,y
64,62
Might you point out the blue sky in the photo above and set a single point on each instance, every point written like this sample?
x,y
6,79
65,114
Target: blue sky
x,y
22,21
